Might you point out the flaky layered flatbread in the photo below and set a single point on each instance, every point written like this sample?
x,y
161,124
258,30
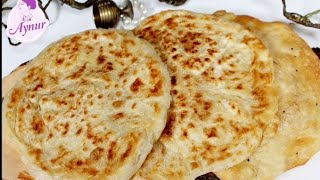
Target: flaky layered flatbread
x,y
222,90
297,77
88,106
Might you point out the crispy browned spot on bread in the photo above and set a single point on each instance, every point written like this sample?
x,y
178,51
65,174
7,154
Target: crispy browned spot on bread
x,y
59,61
167,132
156,108
211,132
194,165
66,128
36,153
111,151
91,171
15,96
101,59
96,154
157,89
95,36
24,176
37,125
132,140
108,66
136,85
79,73
79,131
117,104
173,80
118,116
126,153
60,156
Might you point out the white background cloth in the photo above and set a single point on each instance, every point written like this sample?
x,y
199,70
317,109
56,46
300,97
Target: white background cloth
x,y
72,21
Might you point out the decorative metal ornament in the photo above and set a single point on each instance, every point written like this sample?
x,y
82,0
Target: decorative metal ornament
x,y
174,2
300,19
142,9
107,14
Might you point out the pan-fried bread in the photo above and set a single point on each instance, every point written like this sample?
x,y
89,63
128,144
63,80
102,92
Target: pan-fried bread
x,y
13,164
9,81
297,76
223,99
89,106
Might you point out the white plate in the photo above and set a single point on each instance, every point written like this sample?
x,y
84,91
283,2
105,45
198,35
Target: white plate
x,y
72,21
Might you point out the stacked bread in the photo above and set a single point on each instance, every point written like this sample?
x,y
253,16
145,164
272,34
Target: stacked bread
x,y
182,95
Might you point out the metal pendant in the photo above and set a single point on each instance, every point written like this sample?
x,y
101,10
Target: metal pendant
x,y
107,14
174,2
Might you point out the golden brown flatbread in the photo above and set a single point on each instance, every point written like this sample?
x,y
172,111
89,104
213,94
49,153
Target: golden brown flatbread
x,y
297,76
297,72
222,90
12,166
88,106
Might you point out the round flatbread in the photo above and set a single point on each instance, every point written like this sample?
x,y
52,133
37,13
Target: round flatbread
x,y
13,167
297,76
223,99
89,106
